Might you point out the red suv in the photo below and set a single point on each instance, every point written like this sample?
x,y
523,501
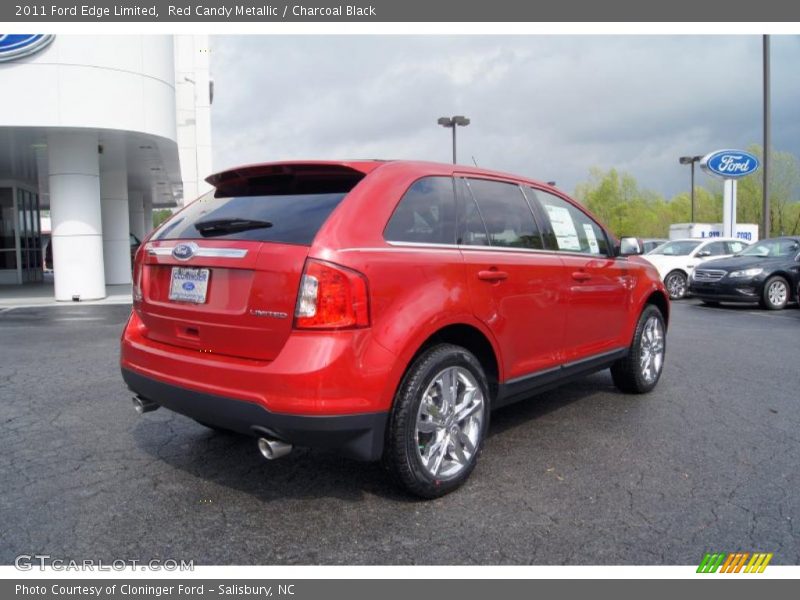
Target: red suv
x,y
383,309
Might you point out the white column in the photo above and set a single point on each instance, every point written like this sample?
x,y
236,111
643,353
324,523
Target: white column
x,y
729,208
136,213
114,197
75,215
148,212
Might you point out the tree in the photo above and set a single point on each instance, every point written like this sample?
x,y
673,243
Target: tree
x,y
161,215
784,183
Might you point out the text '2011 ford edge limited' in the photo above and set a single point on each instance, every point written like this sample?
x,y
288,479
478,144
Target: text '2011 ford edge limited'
x,y
382,309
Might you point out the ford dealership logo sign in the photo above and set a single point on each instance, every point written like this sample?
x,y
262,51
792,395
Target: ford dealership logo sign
x,y
729,164
185,251
17,45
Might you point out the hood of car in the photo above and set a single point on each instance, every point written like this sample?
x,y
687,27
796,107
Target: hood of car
x,y
735,263
664,262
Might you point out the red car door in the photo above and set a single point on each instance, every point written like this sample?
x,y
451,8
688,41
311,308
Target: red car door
x,y
596,285
513,282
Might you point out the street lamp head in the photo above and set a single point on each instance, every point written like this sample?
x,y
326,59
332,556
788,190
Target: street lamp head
x,y
687,160
459,120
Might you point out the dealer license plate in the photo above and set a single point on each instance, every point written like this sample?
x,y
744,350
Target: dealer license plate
x,y
189,285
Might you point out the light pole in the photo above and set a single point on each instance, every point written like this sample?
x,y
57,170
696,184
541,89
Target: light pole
x,y
453,123
690,160
765,217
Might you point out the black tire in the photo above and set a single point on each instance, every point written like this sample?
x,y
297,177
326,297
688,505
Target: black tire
x,y
627,373
676,283
403,449
710,302
771,291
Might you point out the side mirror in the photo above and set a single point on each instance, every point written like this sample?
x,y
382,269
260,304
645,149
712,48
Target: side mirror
x,y
703,254
629,246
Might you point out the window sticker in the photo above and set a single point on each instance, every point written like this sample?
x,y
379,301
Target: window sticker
x,y
564,228
593,245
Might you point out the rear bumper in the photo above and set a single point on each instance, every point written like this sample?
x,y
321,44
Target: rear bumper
x,y
359,436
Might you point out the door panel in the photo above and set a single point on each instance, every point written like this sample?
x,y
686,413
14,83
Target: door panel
x,y
597,287
598,292
514,285
523,307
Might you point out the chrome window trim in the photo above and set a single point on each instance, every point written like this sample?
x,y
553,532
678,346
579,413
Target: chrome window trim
x,y
465,247
201,252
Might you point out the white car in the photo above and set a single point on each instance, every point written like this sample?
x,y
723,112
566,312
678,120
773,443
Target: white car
x,y
676,259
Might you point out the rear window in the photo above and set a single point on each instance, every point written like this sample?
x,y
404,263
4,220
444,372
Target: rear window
x,y
287,219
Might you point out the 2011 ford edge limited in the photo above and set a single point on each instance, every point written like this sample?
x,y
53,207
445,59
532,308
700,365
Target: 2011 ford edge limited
x,y
383,309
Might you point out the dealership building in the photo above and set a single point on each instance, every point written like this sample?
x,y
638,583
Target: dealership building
x,y
99,131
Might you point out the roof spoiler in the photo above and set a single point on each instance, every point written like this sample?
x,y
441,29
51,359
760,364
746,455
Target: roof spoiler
x,y
289,179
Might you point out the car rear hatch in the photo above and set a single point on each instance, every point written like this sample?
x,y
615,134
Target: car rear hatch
x,y
221,276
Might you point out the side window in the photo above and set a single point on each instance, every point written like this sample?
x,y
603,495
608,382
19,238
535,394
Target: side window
x,y
736,247
473,230
716,249
507,219
572,229
425,213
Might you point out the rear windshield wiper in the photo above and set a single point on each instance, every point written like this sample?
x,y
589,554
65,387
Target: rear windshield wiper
x,y
212,227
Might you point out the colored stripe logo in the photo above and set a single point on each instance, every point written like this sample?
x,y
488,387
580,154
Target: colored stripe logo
x,y
734,562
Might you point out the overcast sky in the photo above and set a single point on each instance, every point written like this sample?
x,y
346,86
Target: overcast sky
x,y
547,107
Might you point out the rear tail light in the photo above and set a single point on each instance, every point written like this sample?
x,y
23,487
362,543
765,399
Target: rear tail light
x,y
331,297
137,276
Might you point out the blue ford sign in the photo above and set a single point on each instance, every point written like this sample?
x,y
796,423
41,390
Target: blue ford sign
x,y
729,164
17,45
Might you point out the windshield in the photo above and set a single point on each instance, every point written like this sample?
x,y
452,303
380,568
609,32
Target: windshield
x,y
285,218
771,248
682,248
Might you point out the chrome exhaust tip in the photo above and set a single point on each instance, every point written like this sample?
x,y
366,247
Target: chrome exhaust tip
x,y
273,449
143,405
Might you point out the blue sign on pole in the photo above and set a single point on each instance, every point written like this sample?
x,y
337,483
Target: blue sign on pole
x,y
729,164
17,45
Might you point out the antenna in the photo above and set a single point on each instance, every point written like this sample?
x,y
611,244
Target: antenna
x,y
475,162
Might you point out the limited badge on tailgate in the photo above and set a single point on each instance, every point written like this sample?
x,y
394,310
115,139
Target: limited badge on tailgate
x,y
189,285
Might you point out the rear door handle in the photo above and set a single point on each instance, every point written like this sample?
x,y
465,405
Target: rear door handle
x,y
492,275
581,276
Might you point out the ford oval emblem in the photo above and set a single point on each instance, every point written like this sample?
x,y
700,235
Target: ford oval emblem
x,y
730,164
185,251
17,45
188,286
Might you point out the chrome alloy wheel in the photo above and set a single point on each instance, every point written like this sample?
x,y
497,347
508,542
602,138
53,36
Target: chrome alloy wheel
x,y
651,353
777,293
676,285
449,422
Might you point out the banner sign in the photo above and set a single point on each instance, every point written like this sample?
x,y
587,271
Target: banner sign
x,y
512,11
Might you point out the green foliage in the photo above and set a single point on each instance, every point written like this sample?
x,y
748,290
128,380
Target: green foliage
x,y
161,215
627,209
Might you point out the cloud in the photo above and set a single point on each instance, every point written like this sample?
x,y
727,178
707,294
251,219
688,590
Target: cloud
x,y
549,107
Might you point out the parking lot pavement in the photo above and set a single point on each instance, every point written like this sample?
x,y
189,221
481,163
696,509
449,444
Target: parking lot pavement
x,y
579,475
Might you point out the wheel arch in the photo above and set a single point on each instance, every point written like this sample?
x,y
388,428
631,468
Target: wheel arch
x,y
661,302
467,336
788,279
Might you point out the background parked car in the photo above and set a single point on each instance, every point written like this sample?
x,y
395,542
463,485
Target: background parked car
x,y
676,259
649,244
768,272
